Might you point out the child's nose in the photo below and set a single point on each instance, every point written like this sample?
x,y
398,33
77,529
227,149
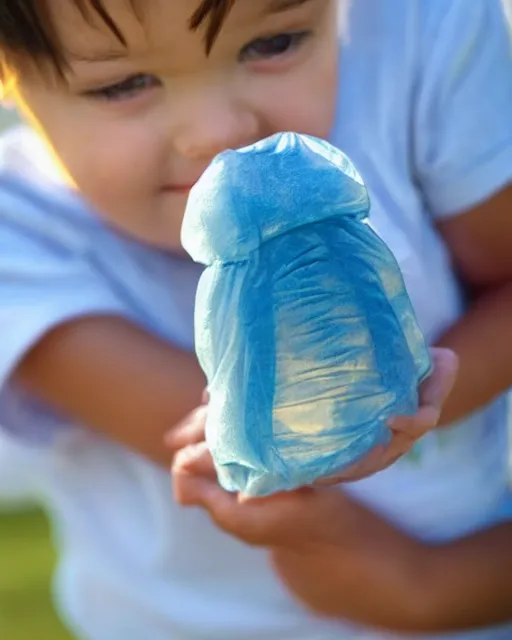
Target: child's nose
x,y
210,129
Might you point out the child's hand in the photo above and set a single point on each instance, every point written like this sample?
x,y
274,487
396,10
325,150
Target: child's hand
x,y
334,556
407,430
190,430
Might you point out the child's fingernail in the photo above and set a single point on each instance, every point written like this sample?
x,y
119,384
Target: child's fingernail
x,y
185,458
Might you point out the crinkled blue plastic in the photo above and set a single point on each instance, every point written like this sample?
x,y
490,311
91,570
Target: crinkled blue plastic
x,y
303,324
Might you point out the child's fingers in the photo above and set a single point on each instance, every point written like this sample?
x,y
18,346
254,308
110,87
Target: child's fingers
x,y
189,431
371,463
224,508
262,522
194,490
195,484
195,479
415,427
435,390
196,460
433,393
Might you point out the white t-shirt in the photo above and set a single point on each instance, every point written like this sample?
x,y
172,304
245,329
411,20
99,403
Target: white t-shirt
x,y
425,112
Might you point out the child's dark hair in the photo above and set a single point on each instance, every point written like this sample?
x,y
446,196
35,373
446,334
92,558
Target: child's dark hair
x,y
25,27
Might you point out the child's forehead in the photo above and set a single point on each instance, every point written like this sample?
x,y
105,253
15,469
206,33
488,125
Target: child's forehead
x,y
189,14
61,24
79,22
73,18
86,29
163,32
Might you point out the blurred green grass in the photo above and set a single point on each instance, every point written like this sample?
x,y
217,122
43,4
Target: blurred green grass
x,y
26,562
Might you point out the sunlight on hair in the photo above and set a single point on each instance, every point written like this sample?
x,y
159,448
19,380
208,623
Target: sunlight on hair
x,y
7,83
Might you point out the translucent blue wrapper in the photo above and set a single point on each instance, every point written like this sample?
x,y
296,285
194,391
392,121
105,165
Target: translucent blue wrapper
x,y
303,325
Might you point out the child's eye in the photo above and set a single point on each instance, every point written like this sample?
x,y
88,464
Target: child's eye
x,y
273,46
126,89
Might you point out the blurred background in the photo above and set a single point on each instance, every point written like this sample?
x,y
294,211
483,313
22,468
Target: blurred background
x,y
26,553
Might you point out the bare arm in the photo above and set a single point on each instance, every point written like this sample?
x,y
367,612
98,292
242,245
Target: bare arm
x,y
112,376
469,582
480,241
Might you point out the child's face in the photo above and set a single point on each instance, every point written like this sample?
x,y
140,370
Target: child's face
x,y
136,126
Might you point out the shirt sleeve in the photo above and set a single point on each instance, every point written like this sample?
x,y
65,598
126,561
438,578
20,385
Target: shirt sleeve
x,y
43,284
463,110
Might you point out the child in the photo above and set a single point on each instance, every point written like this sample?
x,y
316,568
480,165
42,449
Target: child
x,y
135,98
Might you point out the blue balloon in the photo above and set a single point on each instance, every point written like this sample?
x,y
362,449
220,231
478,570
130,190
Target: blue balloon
x,y
303,324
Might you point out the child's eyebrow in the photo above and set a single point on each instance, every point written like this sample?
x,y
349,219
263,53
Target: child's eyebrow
x,y
278,6
99,56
